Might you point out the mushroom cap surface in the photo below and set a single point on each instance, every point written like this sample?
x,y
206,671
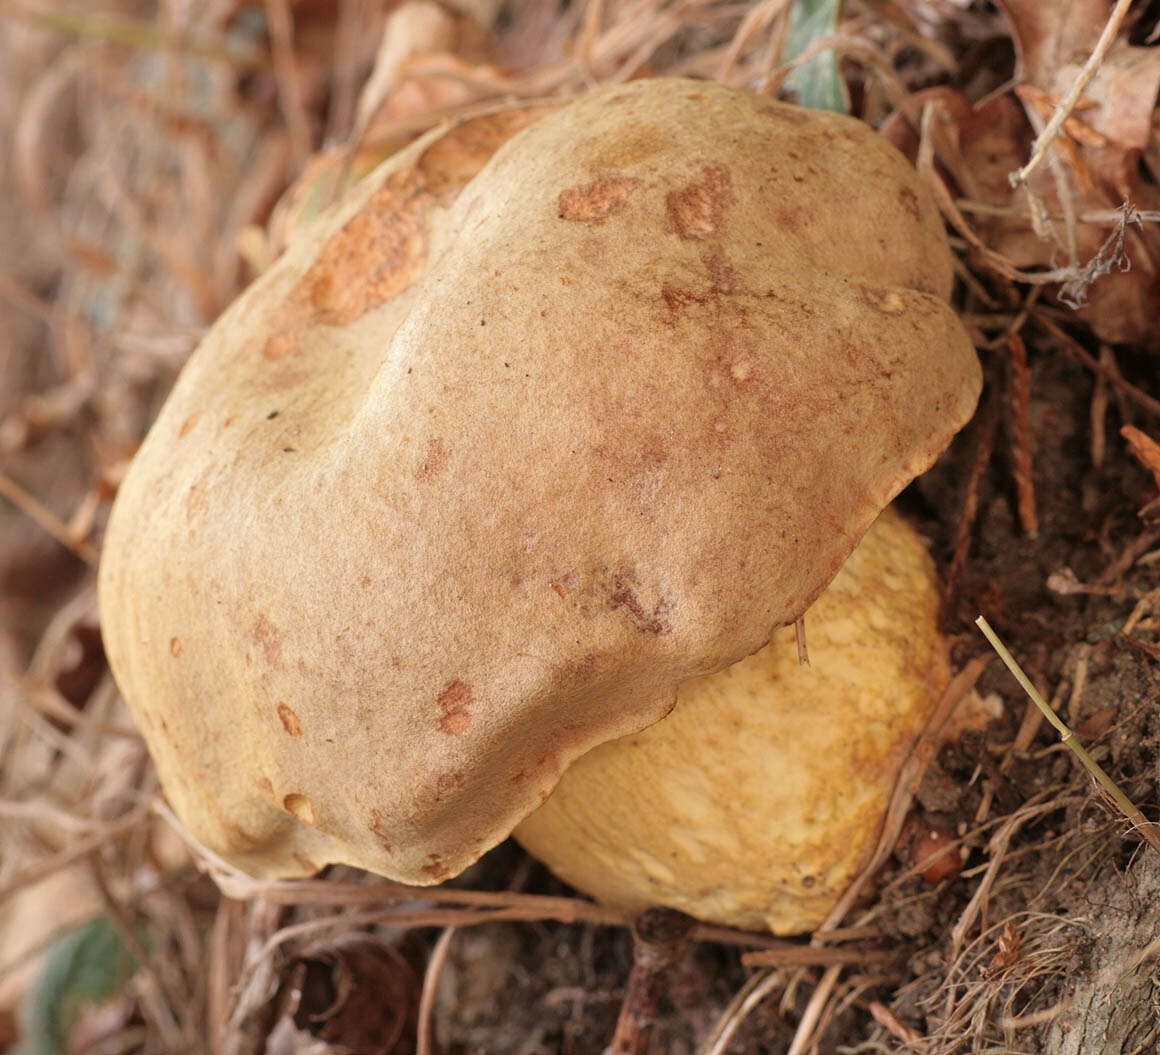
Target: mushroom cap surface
x,y
562,406
761,796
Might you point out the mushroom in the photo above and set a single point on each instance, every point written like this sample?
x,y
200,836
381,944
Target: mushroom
x,y
560,407
758,800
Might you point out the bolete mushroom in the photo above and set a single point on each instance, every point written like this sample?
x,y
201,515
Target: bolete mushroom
x,y
562,406
760,797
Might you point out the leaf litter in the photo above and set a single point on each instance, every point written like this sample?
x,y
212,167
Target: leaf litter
x,y
143,120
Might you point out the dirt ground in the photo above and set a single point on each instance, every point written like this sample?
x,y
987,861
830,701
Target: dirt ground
x,y
143,154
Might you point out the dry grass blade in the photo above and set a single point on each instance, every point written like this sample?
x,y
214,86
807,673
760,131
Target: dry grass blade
x,y
755,990
1143,827
38,512
1021,435
425,1044
289,87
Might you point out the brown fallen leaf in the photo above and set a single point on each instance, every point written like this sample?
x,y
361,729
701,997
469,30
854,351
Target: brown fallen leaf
x,y
1146,449
1010,951
358,996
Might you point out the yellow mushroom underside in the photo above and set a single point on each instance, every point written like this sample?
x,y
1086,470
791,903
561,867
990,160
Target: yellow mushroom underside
x,y
758,799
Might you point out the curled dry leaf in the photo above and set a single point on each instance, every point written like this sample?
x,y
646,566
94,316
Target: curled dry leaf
x,y
358,995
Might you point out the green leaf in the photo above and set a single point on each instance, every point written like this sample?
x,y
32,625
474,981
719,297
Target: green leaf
x,y
85,967
818,84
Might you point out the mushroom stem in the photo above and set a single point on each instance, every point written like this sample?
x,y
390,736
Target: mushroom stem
x,y
660,937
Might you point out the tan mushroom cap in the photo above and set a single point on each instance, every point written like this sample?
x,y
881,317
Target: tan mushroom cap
x,y
501,451
758,800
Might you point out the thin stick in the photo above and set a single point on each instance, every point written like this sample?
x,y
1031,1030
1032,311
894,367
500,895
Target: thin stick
x,y
79,850
988,419
130,33
45,518
799,633
1068,103
752,993
813,1012
1021,435
814,956
425,1043
286,75
1075,349
1144,827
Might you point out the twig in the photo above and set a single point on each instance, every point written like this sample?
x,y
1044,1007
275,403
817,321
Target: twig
x,y
755,989
893,1025
1143,827
76,852
1021,435
1068,103
1131,552
660,937
1098,411
425,1044
799,633
1077,351
809,1020
383,893
997,848
906,786
46,519
131,33
286,73
816,956
988,422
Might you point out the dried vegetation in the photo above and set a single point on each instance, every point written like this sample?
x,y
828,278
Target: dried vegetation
x,y
144,152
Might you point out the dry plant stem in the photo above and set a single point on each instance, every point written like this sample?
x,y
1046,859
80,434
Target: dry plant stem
x,y
813,956
893,1025
593,20
660,937
1146,449
285,71
813,1012
988,422
752,993
1098,413
1021,435
222,968
1077,351
799,633
127,32
909,779
45,518
1068,103
1143,827
997,848
425,1043
78,851
161,1011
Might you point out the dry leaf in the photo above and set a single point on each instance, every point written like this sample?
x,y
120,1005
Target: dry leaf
x,y
358,996
1146,449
